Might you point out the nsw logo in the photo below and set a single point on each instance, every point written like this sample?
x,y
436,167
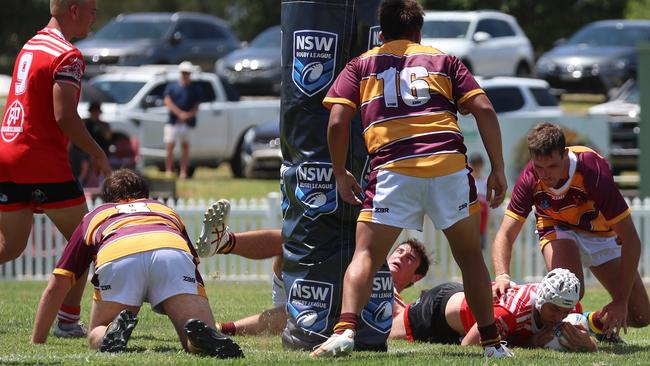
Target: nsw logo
x,y
373,37
310,303
378,313
314,59
316,189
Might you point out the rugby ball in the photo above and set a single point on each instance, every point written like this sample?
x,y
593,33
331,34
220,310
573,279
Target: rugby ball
x,y
578,320
307,318
555,342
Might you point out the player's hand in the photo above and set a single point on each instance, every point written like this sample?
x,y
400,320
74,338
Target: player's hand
x,y
496,188
614,317
101,165
541,338
348,188
500,287
577,339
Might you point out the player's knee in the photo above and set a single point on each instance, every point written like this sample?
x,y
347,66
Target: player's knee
x,y
639,320
8,253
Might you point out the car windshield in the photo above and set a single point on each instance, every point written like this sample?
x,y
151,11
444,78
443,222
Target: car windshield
x,y
133,29
444,29
611,35
119,91
270,38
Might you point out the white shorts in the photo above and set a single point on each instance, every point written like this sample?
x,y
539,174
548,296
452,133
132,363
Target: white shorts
x,y
402,201
152,276
594,250
179,131
278,294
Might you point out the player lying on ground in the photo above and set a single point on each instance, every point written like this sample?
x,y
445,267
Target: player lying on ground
x,y
582,220
141,252
441,315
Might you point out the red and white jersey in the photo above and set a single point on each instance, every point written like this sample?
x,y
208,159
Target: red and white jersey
x,y
34,148
513,314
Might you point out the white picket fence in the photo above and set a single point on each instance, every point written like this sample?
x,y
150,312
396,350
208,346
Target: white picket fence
x,y
46,244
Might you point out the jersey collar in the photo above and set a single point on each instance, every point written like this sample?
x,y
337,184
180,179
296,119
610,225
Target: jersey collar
x,y
573,162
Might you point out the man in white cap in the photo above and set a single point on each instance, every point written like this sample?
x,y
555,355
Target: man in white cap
x,y
182,99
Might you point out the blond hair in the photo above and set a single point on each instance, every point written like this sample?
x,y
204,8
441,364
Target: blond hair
x,y
58,7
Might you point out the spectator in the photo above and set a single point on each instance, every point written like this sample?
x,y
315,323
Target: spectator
x,y
182,99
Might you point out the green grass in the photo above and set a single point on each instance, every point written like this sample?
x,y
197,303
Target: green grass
x,y
219,183
154,341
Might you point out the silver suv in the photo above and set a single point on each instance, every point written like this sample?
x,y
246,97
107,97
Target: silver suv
x,y
489,43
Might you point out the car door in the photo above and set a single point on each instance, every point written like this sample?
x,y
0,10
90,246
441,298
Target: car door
x,y
209,139
497,55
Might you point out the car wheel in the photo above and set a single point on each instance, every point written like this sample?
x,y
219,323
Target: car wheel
x,y
241,160
523,70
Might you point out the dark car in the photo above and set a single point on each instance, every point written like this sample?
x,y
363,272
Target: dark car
x,y
255,69
600,56
158,38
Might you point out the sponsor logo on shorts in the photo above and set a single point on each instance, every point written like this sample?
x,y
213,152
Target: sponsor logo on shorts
x,y
3,197
105,287
189,279
462,207
378,313
310,303
39,196
381,209
314,59
12,123
373,37
316,189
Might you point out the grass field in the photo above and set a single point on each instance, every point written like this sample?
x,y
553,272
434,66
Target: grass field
x,y
154,340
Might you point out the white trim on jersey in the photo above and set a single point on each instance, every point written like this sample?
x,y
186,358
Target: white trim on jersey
x,y
45,49
50,39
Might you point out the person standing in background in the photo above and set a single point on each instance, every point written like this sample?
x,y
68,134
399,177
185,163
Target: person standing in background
x,y
182,99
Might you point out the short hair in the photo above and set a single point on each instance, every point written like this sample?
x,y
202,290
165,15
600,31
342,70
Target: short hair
x,y
400,18
58,7
95,106
421,251
544,139
124,185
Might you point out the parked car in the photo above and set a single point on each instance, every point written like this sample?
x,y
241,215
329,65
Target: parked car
x,y
134,107
5,84
489,43
598,57
158,38
255,69
623,113
511,97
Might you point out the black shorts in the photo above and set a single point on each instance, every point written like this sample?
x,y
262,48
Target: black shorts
x,y
426,316
40,196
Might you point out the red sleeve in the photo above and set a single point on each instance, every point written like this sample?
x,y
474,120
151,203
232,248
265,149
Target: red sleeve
x,y
506,322
522,200
345,89
76,257
601,189
69,68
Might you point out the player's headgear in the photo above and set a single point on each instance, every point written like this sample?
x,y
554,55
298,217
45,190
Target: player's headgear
x,y
559,287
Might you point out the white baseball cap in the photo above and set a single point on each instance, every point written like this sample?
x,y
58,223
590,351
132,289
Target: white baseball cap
x,y
185,66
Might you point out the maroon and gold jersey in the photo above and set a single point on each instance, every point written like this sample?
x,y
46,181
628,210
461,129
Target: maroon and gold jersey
x,y
116,230
409,96
34,148
589,202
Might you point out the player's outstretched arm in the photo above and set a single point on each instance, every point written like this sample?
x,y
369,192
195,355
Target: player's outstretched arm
x,y
502,253
488,126
48,307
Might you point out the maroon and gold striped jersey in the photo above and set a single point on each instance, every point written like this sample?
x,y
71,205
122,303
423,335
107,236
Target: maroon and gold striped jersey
x,y
409,96
589,202
116,230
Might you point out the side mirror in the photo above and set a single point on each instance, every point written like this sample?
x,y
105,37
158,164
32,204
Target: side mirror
x,y
559,42
176,38
480,37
